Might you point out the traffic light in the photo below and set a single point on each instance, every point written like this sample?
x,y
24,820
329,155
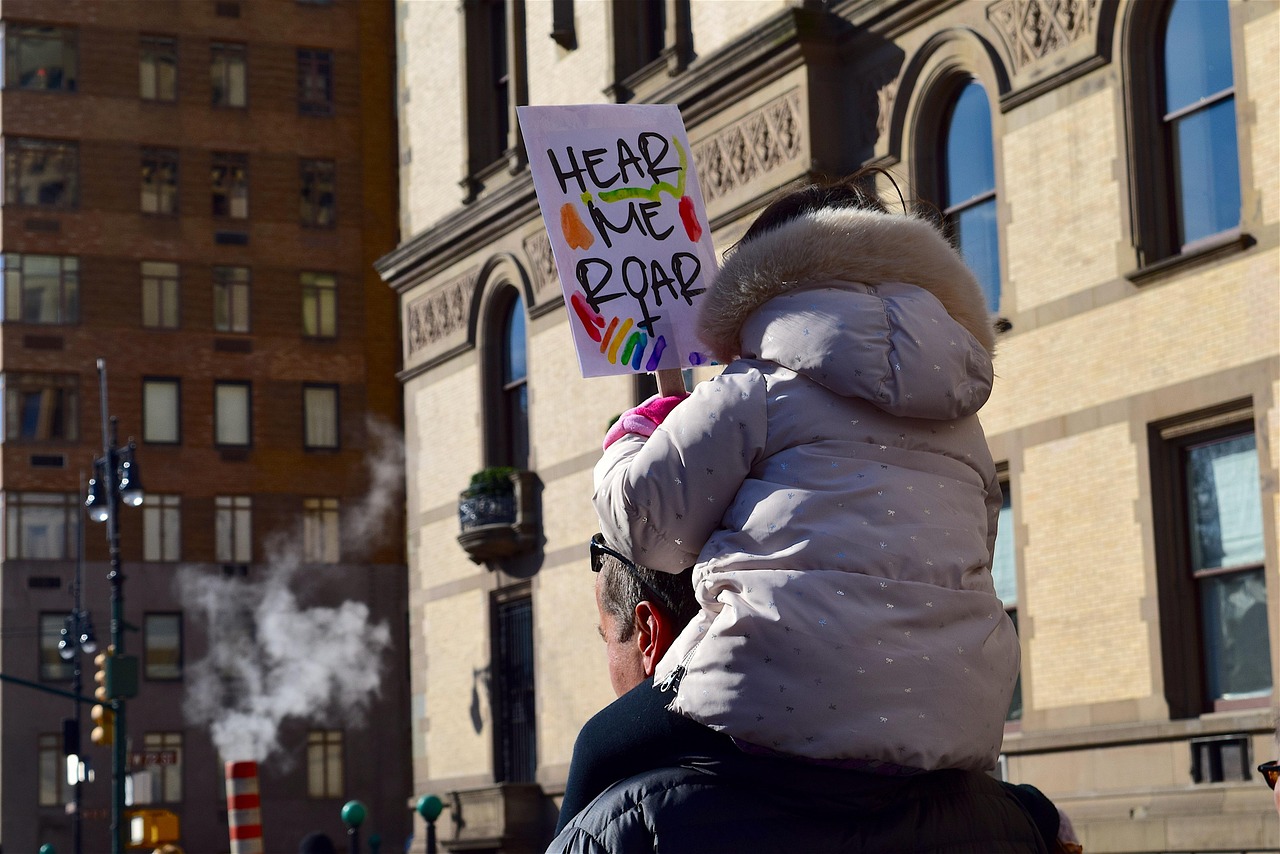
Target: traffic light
x,y
148,827
102,661
105,731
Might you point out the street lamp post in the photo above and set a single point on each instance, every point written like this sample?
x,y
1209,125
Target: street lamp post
x,y
353,815
116,479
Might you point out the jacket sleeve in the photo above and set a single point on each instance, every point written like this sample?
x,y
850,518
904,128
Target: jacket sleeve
x,y
662,498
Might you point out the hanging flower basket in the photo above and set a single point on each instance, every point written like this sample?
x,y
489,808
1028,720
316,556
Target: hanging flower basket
x,y
497,514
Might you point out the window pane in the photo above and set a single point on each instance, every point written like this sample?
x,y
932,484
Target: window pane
x,y
978,236
970,166
231,299
320,414
52,667
231,404
1237,646
41,173
159,295
162,654
1197,52
161,527
1003,569
158,69
41,288
514,367
160,410
317,193
40,58
1226,504
319,311
41,407
1207,171
51,771
41,525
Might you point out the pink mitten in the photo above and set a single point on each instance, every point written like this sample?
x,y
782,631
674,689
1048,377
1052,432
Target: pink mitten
x,y
643,419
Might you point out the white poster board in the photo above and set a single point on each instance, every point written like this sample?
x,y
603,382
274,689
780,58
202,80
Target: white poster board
x,y
628,229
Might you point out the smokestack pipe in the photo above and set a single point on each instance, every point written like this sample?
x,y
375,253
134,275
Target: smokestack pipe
x,y
244,814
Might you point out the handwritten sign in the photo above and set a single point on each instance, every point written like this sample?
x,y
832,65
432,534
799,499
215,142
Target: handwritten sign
x,y
628,229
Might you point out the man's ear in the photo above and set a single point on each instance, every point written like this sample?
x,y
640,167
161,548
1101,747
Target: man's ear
x,y
653,635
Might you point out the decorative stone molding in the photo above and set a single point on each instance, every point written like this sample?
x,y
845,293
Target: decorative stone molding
x,y
1032,30
542,265
751,147
438,321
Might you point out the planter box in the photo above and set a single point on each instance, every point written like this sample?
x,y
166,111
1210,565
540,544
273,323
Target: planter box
x,y
495,525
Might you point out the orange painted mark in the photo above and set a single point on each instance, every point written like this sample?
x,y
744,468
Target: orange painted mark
x,y
617,340
576,234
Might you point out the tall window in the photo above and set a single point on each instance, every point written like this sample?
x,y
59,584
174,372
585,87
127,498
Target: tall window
x,y
1199,110
41,172
162,646
319,305
509,442
161,527
320,530
158,69
232,413
41,407
52,667
316,195
227,71
324,763
161,410
39,57
515,726
495,81
229,185
41,288
160,181
41,525
1004,572
1211,553
233,528
969,187
164,750
315,82
231,299
51,770
320,416
159,294
639,35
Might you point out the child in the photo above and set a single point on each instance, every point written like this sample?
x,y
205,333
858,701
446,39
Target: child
x,y
834,490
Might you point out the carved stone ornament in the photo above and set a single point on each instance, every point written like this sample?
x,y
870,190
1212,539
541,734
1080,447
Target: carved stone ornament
x,y
439,319
754,145
542,264
1032,30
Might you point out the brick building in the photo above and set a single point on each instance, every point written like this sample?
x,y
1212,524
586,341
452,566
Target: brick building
x,y
1110,170
195,192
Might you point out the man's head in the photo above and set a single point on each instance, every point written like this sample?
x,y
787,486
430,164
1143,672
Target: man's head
x,y
641,612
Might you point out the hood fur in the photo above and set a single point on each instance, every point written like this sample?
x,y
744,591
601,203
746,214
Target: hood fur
x,y
840,244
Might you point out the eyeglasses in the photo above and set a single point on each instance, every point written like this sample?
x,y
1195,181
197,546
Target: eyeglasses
x,y
1270,771
599,550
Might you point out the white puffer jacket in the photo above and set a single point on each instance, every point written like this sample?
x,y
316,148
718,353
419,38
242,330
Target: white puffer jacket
x,y
834,489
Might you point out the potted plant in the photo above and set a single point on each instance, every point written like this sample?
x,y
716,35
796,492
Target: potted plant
x,y
489,499
497,513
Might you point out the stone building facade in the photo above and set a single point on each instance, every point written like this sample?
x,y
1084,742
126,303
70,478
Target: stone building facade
x,y
1109,167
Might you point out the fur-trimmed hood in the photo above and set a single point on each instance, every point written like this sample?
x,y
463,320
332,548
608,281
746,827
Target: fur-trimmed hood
x,y
840,245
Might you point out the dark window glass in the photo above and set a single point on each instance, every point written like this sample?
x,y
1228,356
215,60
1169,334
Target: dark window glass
x,y
41,173
515,391
41,407
1200,119
315,82
229,185
39,57
160,181
316,197
516,729
969,187
52,667
41,288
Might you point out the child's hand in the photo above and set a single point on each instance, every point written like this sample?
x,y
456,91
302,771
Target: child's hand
x,y
643,419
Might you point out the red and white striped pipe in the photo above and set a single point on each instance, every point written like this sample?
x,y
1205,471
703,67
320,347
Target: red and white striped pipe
x,y
244,813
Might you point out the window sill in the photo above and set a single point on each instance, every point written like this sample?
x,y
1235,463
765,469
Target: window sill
x,y
1193,255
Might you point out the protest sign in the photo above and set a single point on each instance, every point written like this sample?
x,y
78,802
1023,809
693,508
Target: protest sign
x,y
628,229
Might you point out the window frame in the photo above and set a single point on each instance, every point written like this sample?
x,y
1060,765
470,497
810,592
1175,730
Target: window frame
x,y
321,530
229,185
148,665
51,667
17,544
222,82
314,211
15,298
154,161
166,776
515,741
50,768
314,303
223,432
232,296
19,159
69,38
307,442
167,291
19,384
315,81
151,51
1178,591
233,523
507,436
320,743
175,383
162,511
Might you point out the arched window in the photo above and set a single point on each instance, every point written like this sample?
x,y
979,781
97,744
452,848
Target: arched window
x,y
1199,113
968,186
510,439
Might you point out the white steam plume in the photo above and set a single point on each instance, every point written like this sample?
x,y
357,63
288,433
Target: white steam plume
x,y
270,658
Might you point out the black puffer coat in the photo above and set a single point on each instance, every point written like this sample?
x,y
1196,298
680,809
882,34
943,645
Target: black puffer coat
x,y
753,805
